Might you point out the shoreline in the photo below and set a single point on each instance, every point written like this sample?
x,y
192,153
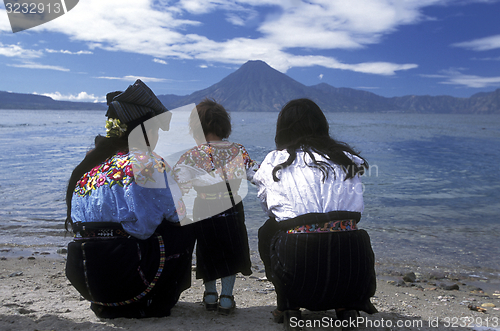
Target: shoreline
x,y
35,295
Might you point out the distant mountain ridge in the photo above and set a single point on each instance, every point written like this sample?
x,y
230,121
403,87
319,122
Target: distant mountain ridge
x,y
255,86
10,100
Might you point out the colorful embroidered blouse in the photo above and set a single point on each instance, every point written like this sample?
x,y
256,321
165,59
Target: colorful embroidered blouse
x,y
300,189
209,163
134,189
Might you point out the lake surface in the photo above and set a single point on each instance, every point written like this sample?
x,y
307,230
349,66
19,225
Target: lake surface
x,y
432,194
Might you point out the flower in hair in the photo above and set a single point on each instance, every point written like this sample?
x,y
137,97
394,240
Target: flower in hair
x,y
114,128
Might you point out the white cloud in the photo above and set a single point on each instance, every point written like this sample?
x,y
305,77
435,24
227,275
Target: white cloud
x,y
160,61
456,77
67,52
80,97
482,44
158,29
368,87
320,76
33,65
18,52
487,59
4,22
131,78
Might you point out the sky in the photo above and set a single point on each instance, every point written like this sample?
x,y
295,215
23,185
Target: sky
x,y
388,47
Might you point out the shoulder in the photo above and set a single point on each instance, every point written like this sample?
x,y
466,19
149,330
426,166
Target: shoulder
x,y
356,159
194,153
115,170
276,157
240,147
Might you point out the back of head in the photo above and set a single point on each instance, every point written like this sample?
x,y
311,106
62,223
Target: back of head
x,y
213,119
300,120
302,125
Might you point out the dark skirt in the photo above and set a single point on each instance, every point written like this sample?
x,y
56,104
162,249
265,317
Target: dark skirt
x,y
128,277
319,271
221,242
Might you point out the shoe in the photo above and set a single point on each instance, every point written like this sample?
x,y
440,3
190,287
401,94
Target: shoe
x,y
278,316
226,310
291,317
348,318
212,306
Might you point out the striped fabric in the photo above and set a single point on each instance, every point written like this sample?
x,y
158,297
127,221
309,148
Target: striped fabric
x,y
138,101
319,271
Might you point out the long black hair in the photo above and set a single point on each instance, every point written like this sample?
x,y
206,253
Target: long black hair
x,y
105,147
302,125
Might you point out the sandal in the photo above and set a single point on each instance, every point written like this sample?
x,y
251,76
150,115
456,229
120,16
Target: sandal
x,y
210,306
278,316
228,310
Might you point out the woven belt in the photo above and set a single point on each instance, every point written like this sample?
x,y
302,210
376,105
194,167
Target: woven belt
x,y
332,226
100,233
214,196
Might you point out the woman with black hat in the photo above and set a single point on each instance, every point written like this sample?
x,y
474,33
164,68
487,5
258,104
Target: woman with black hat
x,y
130,257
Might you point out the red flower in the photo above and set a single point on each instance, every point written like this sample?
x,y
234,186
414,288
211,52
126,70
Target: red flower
x,y
129,171
105,167
116,174
82,182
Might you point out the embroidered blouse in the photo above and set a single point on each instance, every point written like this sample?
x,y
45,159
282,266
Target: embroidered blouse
x,y
135,189
208,164
301,190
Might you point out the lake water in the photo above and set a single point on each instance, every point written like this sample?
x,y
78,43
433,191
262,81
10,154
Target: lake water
x,y
432,195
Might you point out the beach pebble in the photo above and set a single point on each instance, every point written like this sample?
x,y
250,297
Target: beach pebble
x,y
437,275
24,311
473,288
488,305
62,251
410,277
449,287
15,274
398,282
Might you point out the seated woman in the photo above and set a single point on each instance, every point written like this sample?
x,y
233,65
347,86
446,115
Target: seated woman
x,y
129,258
311,247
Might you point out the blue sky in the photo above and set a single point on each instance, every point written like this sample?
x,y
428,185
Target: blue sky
x,y
388,47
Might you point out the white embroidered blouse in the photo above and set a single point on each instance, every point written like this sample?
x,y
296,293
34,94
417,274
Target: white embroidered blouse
x,y
300,189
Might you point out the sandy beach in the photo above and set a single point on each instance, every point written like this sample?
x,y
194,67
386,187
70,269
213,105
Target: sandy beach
x,y
35,295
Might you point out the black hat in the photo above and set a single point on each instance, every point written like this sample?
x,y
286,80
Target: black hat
x,y
111,95
136,102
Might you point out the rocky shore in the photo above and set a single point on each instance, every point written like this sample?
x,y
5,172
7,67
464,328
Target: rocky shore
x,y
35,295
